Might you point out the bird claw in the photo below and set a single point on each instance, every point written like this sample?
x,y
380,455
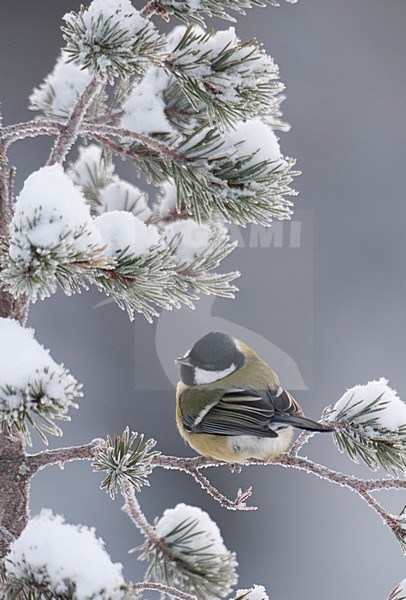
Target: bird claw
x,y
235,468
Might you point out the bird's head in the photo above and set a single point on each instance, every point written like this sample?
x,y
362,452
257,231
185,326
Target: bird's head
x,y
213,357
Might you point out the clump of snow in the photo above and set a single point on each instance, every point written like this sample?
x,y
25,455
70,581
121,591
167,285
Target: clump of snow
x,y
30,380
393,414
67,559
256,139
22,357
194,238
121,15
126,234
206,533
51,216
59,92
204,49
91,167
120,195
257,592
144,109
167,198
214,41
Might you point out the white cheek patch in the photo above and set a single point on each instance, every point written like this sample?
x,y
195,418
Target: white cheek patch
x,y
237,345
203,376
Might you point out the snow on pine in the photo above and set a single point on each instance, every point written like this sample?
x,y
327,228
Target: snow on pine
x,y
67,559
126,234
257,592
121,14
194,239
167,198
213,43
60,90
255,139
24,363
120,195
91,169
122,18
94,173
259,70
393,414
51,216
401,589
144,109
207,534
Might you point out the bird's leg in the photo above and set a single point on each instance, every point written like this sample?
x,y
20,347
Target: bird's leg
x,y
235,468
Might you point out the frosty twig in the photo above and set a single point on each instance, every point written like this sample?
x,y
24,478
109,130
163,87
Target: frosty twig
x,y
161,588
71,130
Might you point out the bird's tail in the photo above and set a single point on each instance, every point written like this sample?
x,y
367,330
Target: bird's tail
x,y
301,422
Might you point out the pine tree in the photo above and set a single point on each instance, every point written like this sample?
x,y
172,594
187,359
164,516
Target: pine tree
x,y
196,112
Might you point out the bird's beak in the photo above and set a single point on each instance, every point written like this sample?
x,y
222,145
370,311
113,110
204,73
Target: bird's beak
x,y
183,360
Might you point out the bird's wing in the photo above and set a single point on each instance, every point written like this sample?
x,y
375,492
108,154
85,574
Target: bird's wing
x,y
237,412
247,412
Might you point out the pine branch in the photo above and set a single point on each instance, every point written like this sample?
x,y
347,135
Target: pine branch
x,y
232,79
397,524
167,590
361,429
154,8
237,504
184,555
111,42
133,509
104,131
71,130
193,466
210,179
30,129
111,116
186,11
126,459
59,456
302,439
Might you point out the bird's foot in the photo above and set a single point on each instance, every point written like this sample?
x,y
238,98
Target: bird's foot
x,y
235,468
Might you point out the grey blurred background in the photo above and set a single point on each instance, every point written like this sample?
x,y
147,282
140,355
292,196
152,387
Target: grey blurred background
x,y
334,306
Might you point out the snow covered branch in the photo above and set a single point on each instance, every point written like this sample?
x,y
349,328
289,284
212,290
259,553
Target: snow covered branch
x,y
237,504
196,11
60,456
190,465
154,8
167,590
29,129
184,549
133,509
70,132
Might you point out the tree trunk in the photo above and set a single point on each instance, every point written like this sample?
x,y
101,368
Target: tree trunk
x,y
14,476
14,489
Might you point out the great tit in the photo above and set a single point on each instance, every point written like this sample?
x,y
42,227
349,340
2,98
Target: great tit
x,y
230,405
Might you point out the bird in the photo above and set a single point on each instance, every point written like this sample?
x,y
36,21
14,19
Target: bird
x,y
230,405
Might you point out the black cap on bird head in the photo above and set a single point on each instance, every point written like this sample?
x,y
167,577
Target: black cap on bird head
x,y
213,357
